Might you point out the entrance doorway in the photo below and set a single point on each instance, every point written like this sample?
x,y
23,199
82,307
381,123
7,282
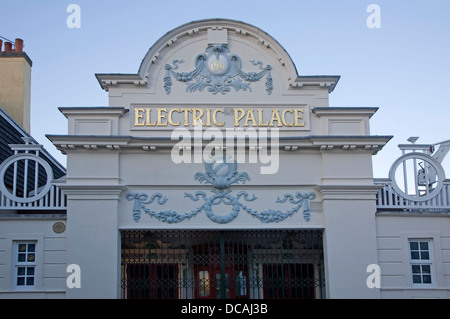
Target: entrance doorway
x,y
226,279
257,264
163,276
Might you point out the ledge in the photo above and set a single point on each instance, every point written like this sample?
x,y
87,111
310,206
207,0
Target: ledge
x,y
366,143
347,111
96,110
33,216
93,192
322,81
346,192
113,79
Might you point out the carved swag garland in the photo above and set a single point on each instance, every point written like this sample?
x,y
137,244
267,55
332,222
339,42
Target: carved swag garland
x,y
221,175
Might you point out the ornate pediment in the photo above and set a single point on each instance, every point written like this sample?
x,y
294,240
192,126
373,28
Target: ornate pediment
x,y
217,56
218,71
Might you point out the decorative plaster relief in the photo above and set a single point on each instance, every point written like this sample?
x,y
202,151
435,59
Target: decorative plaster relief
x,y
217,71
221,175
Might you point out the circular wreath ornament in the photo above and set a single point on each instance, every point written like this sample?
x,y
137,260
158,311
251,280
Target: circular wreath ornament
x,y
423,166
227,199
30,160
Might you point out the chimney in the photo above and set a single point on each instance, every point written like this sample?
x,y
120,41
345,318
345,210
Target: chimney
x,y
8,46
15,82
19,45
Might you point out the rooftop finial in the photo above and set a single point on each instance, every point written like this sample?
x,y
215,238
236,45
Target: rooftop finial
x,y
413,139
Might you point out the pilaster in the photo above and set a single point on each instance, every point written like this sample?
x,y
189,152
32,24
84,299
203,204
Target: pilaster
x,y
92,221
349,239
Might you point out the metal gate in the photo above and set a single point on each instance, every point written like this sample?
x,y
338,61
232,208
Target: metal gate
x,y
253,264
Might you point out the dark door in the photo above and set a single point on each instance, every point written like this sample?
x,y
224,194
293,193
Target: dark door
x,y
288,281
219,272
156,281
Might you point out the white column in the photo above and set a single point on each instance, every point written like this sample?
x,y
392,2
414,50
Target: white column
x,y
350,241
93,239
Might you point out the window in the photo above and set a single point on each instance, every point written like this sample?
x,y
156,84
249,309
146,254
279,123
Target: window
x,y
24,264
421,262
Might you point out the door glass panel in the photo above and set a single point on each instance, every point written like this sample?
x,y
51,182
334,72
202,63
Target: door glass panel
x,y
219,286
241,284
203,283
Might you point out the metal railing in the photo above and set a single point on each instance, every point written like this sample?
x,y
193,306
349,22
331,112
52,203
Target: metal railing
x,y
389,199
27,181
53,200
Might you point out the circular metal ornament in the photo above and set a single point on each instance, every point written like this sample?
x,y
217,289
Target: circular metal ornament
x,y
31,157
59,227
440,174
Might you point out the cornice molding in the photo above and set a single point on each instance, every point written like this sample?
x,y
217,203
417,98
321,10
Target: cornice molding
x,y
106,80
65,143
93,192
320,81
200,27
345,111
348,192
96,110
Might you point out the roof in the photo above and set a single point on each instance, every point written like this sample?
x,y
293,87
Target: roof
x,y
13,133
13,54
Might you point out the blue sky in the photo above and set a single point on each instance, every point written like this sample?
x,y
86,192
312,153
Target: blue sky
x,y
402,67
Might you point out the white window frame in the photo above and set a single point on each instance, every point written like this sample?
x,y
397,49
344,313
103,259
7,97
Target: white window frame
x,y
421,262
436,253
13,240
27,264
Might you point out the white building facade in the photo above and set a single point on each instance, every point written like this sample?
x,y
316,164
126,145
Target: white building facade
x,y
217,171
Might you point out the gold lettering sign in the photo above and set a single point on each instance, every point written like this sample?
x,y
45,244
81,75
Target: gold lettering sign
x,y
290,117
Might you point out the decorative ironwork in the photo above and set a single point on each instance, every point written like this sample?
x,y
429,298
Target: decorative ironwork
x,y
221,175
256,264
428,177
27,180
416,182
217,71
26,164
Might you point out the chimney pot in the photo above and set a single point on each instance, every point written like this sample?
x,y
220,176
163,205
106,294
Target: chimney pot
x,y
8,46
19,45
